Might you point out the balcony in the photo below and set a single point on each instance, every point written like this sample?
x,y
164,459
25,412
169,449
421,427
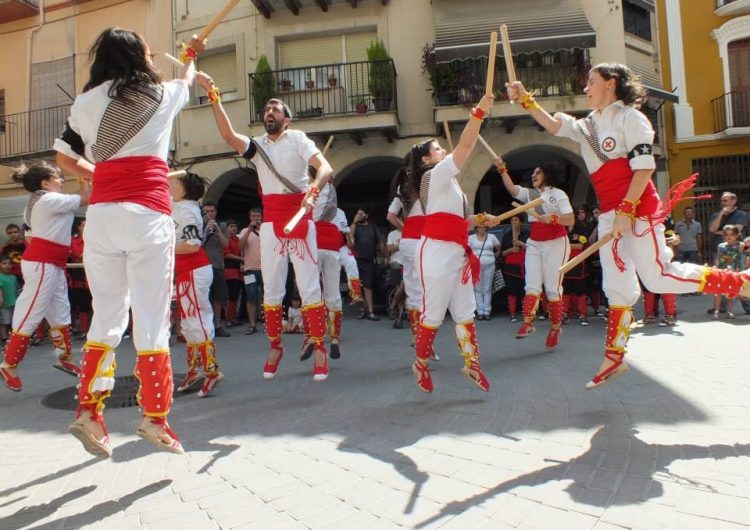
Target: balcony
x,y
324,98
11,10
558,77
727,8
732,113
31,133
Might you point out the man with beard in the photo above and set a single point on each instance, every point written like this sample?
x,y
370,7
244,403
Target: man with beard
x,y
281,158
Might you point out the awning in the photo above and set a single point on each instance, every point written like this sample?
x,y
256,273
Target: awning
x,y
658,93
462,29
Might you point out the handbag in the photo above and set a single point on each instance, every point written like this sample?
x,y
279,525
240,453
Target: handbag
x,y
498,281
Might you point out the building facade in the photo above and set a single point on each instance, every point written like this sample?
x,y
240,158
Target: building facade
x,y
706,57
323,63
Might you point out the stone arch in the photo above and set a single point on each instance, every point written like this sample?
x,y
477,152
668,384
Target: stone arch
x,y
235,191
366,182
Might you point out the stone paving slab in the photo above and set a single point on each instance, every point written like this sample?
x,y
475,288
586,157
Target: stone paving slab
x,y
667,446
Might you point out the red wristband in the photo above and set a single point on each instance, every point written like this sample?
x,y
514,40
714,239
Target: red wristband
x,y
554,219
626,207
478,113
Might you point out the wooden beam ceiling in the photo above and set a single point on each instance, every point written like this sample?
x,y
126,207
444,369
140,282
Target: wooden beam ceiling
x,y
292,6
262,7
323,5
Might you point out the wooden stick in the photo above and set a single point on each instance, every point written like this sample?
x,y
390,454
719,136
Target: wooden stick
x,y
520,209
491,63
585,254
302,211
328,145
507,53
482,141
218,17
532,213
447,131
74,265
516,231
175,174
174,60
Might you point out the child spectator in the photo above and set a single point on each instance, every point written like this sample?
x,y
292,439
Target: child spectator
x,y
293,322
8,291
729,256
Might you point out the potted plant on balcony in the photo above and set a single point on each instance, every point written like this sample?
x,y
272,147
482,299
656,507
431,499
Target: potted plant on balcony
x,y
285,85
264,85
443,78
332,80
360,104
382,78
309,83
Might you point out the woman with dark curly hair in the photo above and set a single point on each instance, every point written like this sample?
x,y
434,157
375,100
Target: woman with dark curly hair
x,y
616,144
118,133
547,248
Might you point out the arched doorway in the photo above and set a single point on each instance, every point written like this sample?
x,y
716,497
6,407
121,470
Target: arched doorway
x,y
366,184
235,192
492,197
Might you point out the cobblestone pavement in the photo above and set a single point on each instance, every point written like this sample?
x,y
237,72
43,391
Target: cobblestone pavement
x,y
667,446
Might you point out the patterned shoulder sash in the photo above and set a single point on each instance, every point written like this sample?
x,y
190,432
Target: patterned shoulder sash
x,y
288,184
35,197
124,118
589,132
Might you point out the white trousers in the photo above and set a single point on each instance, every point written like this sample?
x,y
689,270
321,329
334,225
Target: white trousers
x,y
330,272
441,266
129,260
198,324
647,257
274,264
349,262
543,260
412,282
44,296
483,289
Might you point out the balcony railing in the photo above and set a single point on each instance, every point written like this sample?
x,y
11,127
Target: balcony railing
x,y
732,110
722,3
552,74
327,89
32,132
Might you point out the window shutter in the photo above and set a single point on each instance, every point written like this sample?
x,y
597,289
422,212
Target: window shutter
x,y
45,77
739,65
309,52
222,67
356,45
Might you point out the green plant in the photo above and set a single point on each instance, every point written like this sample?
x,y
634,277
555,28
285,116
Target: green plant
x,y
264,84
443,78
382,76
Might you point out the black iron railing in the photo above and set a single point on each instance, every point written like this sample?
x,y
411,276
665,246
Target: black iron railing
x,y
28,133
732,110
327,89
551,74
722,3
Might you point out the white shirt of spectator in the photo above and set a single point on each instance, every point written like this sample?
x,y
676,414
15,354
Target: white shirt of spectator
x,y
394,238
487,253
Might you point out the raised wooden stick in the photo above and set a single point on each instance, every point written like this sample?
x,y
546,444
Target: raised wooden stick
x,y
532,213
447,131
175,174
218,17
174,60
482,141
520,209
585,253
491,63
328,145
507,53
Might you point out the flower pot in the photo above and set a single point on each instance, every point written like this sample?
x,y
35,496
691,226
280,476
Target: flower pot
x,y
285,85
361,108
309,84
381,103
332,81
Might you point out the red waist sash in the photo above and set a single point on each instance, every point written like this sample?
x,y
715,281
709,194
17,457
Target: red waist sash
x,y
547,231
454,229
611,182
413,227
189,262
516,258
46,251
328,236
279,210
139,179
